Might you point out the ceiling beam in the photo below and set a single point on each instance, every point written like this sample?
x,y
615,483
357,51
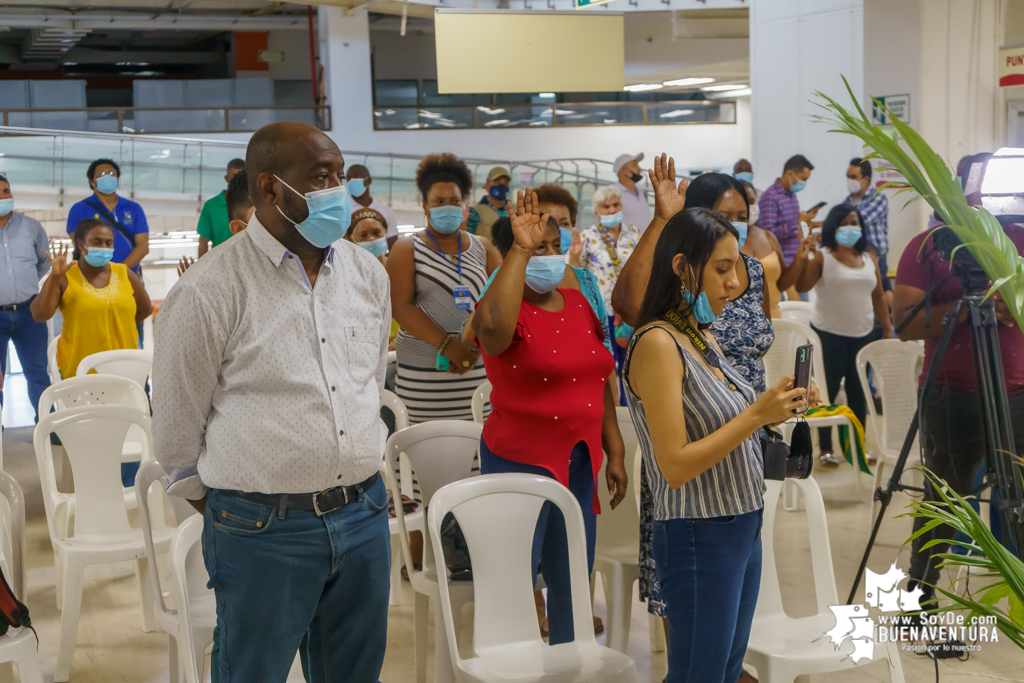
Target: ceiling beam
x,y
99,21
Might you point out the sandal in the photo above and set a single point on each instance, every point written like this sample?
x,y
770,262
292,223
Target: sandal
x,y
828,460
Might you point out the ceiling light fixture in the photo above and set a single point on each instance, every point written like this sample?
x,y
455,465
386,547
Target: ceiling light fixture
x,y
640,87
723,88
688,81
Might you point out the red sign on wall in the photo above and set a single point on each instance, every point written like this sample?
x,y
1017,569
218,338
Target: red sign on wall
x,y
248,45
1011,66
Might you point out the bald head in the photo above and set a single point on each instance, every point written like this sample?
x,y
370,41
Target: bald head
x,y
357,171
283,148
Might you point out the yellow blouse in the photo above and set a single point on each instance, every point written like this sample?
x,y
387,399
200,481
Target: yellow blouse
x,y
96,319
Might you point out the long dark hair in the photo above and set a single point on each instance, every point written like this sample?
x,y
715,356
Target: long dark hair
x,y
831,225
694,234
706,190
82,231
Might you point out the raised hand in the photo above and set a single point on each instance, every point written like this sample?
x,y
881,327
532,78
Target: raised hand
x,y
576,248
184,264
669,198
59,263
528,224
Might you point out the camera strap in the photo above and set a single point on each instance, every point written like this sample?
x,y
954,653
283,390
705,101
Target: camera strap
x,y
706,350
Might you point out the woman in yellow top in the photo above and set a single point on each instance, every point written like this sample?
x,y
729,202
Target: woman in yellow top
x,y
101,301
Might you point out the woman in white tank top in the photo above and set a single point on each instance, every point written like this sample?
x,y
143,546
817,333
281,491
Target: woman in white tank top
x,y
848,285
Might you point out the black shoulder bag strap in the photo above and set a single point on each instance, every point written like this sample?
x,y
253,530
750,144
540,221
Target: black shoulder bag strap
x,y
706,350
109,217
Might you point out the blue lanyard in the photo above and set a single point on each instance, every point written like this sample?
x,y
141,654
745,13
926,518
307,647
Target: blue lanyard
x,y
448,257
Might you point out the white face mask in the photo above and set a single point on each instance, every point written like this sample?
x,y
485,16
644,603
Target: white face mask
x,y
853,185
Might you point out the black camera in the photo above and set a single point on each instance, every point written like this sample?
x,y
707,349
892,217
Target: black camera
x,y
782,461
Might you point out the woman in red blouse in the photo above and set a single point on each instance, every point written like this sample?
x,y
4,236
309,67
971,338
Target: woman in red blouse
x,y
552,409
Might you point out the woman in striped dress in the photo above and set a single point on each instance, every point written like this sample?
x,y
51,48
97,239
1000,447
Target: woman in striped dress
x,y
697,419
436,279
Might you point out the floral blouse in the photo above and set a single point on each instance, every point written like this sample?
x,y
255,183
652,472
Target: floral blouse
x,y
596,256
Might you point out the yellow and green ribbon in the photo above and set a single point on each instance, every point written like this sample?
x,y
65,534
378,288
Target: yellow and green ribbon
x,y
844,433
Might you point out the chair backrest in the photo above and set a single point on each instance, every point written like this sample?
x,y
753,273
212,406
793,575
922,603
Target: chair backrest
x,y
894,368
93,437
92,390
190,578
391,401
392,357
781,357
440,452
13,549
150,473
621,526
769,601
481,397
797,311
51,360
498,515
135,364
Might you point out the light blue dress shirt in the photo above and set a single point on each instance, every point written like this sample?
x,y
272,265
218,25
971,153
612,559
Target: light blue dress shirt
x,y
24,259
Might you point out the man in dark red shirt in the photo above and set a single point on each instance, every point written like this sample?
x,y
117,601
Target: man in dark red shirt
x,y
951,421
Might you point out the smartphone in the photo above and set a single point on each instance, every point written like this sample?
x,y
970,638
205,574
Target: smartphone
x,y
817,206
802,373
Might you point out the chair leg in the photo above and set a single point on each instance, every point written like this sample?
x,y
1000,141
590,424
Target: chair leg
x,y
419,616
443,670
146,594
174,669
58,579
395,598
73,582
199,650
657,630
895,665
620,611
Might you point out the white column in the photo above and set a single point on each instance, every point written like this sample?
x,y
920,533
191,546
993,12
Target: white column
x,y
345,54
798,47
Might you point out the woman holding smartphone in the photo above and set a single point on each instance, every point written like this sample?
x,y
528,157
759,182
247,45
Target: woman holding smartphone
x,y
698,419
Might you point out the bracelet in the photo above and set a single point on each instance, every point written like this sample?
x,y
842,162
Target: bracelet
x,y
444,344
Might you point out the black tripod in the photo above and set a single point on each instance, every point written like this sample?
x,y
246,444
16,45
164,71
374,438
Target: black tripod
x,y
988,367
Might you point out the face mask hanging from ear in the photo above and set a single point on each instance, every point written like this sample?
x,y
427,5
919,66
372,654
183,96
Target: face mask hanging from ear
x,y
702,309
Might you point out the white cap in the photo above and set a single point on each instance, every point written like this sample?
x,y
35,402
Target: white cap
x,y
624,159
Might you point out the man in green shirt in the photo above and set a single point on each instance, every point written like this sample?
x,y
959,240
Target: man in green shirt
x,y
213,221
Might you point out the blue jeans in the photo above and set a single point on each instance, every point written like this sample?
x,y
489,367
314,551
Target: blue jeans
x,y
278,574
550,543
30,339
710,573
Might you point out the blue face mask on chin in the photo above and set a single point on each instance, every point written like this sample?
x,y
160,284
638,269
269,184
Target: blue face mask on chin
x,y
702,310
356,187
106,184
849,235
741,228
97,257
611,220
749,177
376,247
543,273
446,219
330,212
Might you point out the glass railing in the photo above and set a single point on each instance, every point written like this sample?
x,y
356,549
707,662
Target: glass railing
x,y
164,120
557,115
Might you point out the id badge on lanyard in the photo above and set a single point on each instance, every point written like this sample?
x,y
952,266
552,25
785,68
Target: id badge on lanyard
x,y
463,299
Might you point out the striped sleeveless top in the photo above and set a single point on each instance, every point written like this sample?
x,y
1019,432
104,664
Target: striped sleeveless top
x,y
735,484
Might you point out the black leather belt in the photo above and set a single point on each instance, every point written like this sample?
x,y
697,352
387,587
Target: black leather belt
x,y
321,503
15,307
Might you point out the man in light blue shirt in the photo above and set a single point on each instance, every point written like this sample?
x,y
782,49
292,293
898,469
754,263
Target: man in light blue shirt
x,y
25,261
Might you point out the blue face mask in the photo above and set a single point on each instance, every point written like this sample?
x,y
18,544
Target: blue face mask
x,y
849,235
741,228
98,257
566,235
330,212
797,186
6,206
612,220
446,219
749,177
376,247
543,273
356,187
106,184
702,310
499,192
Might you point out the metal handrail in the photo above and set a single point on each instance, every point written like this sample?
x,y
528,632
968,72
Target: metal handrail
x,y
323,114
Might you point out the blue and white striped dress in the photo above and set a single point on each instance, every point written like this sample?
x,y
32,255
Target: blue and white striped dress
x,y
732,486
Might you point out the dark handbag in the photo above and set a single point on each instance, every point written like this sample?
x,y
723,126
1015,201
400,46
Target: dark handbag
x,y
782,461
13,613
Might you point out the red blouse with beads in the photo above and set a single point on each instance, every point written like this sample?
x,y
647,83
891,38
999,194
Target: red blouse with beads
x,y
548,388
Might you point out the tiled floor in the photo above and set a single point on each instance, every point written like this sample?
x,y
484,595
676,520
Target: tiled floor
x,y
112,647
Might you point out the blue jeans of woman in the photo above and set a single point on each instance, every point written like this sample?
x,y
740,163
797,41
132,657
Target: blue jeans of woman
x,y
550,543
710,572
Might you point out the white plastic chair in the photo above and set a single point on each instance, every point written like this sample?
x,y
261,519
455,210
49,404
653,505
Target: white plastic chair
x,y
894,367
51,360
481,397
780,361
17,645
617,550
506,640
199,598
797,311
93,436
782,648
197,611
136,365
415,520
440,452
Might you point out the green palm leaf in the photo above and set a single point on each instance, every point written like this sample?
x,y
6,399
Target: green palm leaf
x,y
936,183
